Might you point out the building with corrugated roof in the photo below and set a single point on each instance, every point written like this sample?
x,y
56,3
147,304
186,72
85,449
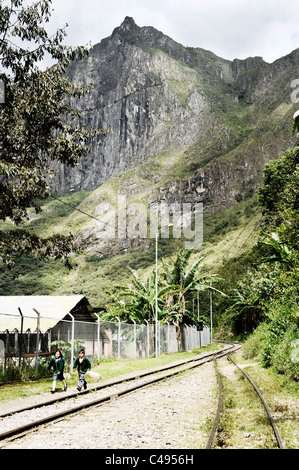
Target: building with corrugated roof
x,y
51,308
20,316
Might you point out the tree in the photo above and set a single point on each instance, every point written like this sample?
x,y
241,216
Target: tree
x,y
279,198
39,121
142,303
280,252
184,282
248,301
177,284
269,292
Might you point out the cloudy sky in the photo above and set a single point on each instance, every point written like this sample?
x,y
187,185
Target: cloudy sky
x,y
229,28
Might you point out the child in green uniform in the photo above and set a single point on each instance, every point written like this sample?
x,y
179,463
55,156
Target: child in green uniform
x,y
82,363
57,363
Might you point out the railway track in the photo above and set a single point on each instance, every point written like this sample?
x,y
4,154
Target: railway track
x,y
55,409
212,435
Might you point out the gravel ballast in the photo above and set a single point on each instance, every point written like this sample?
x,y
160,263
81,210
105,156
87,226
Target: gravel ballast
x,y
173,414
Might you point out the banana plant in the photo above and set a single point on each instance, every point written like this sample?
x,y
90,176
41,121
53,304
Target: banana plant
x,y
142,298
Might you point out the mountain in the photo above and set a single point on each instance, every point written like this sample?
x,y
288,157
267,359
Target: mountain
x,y
184,125
155,95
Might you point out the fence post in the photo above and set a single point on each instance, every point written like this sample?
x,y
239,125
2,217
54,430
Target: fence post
x,y
2,354
72,341
2,92
167,336
134,339
99,332
49,339
211,316
20,340
28,331
159,328
118,339
37,339
6,344
147,337
16,334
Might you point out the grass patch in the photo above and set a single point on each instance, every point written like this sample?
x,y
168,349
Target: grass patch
x,y
108,368
244,423
53,213
93,275
282,395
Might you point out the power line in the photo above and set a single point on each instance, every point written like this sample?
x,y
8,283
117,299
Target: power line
x,y
225,254
76,208
230,247
245,242
254,229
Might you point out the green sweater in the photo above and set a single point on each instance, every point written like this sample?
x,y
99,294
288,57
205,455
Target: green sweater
x,y
57,364
82,366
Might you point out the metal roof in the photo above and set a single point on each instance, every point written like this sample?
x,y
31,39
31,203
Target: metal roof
x,y
52,309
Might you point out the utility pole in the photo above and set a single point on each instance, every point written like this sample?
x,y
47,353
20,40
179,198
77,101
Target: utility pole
x,y
156,337
211,314
37,339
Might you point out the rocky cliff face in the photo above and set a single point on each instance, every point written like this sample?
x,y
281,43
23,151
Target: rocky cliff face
x,y
200,127
149,92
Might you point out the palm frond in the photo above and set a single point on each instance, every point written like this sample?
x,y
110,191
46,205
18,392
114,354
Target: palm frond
x,y
137,281
192,271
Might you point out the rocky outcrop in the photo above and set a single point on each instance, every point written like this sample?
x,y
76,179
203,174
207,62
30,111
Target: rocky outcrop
x,y
148,93
197,127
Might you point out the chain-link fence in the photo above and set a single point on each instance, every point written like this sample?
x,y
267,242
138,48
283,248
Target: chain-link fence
x,y
132,341
101,339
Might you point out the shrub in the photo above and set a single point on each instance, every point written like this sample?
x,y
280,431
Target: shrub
x,y
283,322
282,359
11,373
14,373
273,342
253,345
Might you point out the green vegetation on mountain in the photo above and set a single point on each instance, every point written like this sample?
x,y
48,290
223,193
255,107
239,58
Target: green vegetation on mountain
x,y
225,234
190,127
266,299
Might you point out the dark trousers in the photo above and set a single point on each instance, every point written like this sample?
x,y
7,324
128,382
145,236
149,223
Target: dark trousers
x,y
82,380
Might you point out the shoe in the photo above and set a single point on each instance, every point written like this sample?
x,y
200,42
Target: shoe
x,y
79,389
65,388
52,391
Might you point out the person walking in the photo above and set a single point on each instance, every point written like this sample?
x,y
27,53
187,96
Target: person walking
x,y
57,363
82,364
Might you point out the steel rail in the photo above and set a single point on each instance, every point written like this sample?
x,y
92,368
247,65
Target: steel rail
x,y
272,422
170,370
218,410
115,381
219,407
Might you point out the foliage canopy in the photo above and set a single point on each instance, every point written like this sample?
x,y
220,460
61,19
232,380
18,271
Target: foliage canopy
x,y
40,124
